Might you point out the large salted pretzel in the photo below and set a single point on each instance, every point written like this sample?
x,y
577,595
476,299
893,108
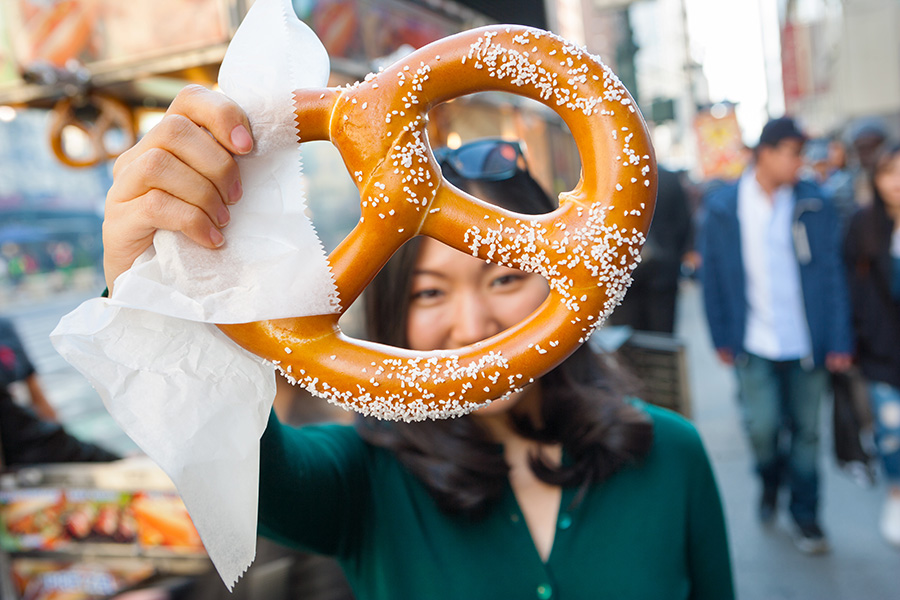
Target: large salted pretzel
x,y
585,249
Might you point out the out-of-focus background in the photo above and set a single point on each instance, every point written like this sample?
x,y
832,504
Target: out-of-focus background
x,y
80,80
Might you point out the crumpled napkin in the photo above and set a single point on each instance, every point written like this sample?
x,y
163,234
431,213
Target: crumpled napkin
x,y
192,400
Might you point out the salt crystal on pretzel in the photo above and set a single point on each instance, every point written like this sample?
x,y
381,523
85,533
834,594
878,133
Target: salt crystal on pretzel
x,y
586,249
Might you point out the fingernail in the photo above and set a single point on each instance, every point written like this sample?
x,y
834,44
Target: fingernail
x,y
236,191
241,139
223,216
216,237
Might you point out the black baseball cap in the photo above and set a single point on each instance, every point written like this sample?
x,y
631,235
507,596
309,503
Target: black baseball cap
x,y
778,130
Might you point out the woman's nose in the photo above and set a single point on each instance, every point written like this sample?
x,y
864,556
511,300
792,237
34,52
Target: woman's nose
x,y
473,320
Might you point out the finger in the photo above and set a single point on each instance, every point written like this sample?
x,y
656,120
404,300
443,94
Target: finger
x,y
193,146
218,114
209,110
158,169
129,227
158,209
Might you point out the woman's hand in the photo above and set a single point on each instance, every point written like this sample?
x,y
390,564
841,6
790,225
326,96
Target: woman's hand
x,y
181,176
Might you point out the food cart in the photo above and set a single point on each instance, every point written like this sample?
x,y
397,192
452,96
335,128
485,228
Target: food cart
x,y
89,531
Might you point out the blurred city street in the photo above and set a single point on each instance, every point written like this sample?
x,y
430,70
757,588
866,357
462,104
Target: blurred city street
x,y
699,84
767,566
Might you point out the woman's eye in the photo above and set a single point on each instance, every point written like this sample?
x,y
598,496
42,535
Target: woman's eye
x,y
508,279
426,294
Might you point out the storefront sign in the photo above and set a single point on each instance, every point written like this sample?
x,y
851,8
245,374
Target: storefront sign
x,y
720,147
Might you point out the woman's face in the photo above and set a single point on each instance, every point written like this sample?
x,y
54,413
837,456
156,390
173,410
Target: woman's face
x,y
887,180
458,300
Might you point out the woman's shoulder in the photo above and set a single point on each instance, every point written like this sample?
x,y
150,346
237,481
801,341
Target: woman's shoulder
x,y
676,460
671,431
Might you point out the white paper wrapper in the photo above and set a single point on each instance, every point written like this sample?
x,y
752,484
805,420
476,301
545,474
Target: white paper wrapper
x,y
195,402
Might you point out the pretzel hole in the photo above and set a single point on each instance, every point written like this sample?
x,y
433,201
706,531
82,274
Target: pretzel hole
x,y
428,287
457,300
551,153
333,206
332,198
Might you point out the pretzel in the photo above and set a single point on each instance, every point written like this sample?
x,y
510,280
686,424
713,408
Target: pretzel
x,y
111,115
586,249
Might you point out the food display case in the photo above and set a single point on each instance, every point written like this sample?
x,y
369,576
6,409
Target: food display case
x,y
91,531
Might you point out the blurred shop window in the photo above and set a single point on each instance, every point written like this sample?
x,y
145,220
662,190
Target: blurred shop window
x,y
50,215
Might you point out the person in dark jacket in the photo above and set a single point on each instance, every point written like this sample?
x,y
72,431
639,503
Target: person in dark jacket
x,y
30,435
776,303
651,299
872,253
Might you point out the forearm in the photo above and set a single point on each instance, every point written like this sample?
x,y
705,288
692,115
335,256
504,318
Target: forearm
x,y
313,485
39,401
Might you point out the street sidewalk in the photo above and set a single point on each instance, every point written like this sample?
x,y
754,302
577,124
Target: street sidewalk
x,y
767,565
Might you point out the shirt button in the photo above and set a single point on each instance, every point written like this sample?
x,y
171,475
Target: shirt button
x,y
565,521
514,517
544,591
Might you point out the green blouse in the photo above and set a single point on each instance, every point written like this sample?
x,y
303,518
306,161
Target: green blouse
x,y
653,531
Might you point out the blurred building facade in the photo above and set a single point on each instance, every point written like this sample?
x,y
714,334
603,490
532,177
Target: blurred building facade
x,y
828,62
840,61
670,82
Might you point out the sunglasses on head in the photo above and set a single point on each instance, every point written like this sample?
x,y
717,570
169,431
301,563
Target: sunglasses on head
x,y
488,159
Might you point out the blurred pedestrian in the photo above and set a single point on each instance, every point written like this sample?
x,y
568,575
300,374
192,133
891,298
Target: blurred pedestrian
x,y
815,159
867,137
838,182
30,435
651,299
776,303
826,165
872,252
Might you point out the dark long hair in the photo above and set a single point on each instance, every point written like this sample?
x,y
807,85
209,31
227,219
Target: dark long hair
x,y
582,402
874,226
